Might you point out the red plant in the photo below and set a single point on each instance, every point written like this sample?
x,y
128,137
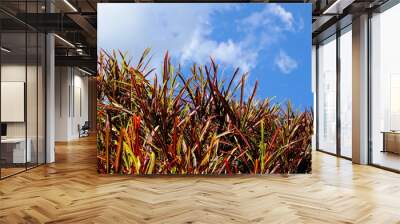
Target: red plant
x,y
193,124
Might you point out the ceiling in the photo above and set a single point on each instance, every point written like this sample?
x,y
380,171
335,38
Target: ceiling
x,y
332,15
75,22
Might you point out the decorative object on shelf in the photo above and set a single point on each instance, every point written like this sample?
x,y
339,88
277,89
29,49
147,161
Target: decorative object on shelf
x,y
391,141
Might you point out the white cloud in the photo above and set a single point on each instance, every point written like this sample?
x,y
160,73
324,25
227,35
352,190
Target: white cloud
x,y
185,30
285,16
182,29
285,63
273,16
228,52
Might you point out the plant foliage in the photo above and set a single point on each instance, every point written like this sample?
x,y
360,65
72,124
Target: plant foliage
x,y
192,123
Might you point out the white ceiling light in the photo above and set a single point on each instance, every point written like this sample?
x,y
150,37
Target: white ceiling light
x,y
337,7
70,5
5,50
64,40
79,51
84,71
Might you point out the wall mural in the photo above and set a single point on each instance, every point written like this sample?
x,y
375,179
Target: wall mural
x,y
204,89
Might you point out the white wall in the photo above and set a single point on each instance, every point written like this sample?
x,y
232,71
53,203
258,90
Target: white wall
x,y
16,73
79,118
34,125
62,81
70,83
12,73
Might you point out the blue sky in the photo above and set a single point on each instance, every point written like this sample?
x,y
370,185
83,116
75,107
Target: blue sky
x,y
270,41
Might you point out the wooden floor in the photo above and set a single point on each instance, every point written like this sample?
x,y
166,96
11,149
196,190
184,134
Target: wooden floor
x,y
71,191
5,172
387,159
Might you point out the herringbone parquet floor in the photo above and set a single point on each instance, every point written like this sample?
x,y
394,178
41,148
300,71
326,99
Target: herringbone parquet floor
x,y
71,191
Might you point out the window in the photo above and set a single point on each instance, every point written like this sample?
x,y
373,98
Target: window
x,y
346,92
385,89
22,77
327,95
